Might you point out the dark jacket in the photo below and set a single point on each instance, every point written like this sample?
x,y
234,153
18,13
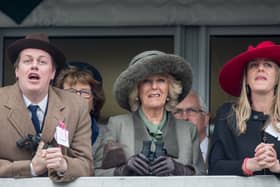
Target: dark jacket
x,y
229,149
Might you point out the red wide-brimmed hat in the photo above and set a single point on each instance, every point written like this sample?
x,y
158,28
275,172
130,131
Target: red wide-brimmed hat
x,y
231,74
36,41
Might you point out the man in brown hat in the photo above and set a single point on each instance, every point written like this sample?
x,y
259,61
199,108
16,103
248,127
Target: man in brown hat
x,y
45,130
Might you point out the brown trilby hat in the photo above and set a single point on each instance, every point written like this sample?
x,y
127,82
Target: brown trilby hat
x,y
36,41
148,63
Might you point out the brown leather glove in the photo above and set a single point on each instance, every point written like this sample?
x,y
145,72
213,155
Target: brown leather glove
x,y
166,166
137,165
113,155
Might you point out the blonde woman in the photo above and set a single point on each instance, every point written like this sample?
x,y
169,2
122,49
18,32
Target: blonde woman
x,y
149,89
246,138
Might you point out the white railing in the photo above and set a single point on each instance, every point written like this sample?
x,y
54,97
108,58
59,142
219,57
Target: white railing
x,y
189,181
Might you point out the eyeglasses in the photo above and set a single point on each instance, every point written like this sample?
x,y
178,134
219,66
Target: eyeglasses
x,y
188,111
83,92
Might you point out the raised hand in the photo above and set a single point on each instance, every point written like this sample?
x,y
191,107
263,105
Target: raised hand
x,y
38,161
55,160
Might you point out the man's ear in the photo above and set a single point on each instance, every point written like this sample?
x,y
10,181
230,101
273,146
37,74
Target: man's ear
x,y
207,119
53,74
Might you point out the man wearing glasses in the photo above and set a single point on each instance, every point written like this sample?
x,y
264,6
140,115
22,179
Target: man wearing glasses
x,y
193,109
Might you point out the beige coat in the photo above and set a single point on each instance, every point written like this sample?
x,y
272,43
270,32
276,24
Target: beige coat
x,y
15,123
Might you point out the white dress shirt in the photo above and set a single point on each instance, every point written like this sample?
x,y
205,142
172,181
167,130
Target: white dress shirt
x,y
42,107
204,148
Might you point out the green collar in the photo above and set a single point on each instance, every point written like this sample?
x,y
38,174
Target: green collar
x,y
155,130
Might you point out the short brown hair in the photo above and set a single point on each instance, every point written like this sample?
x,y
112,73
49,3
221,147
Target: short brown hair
x,y
74,75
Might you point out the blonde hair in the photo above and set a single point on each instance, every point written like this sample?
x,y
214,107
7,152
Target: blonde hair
x,y
243,108
174,90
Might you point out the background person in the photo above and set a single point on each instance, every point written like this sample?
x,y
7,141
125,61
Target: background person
x,y
246,139
85,80
193,109
150,88
33,108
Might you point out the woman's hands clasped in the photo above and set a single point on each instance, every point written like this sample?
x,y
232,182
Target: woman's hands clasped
x,y
265,158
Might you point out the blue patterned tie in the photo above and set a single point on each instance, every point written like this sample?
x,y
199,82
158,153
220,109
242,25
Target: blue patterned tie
x,y
34,117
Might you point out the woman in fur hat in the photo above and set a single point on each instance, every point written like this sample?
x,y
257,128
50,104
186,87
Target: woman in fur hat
x,y
246,138
154,142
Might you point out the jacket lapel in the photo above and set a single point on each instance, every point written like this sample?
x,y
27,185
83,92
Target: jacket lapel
x,y
54,115
18,114
140,132
170,137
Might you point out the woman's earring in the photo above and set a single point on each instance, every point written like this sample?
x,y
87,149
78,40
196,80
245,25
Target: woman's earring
x,y
248,90
168,99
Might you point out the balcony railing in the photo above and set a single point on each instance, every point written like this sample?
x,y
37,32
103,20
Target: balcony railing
x,y
189,181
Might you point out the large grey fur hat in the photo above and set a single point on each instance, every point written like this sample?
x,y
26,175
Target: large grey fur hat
x,y
146,64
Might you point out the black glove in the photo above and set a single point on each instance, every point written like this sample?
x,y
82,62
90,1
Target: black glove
x,y
162,166
137,165
113,155
165,166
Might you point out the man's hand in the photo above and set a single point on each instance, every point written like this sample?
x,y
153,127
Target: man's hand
x,y
38,162
55,160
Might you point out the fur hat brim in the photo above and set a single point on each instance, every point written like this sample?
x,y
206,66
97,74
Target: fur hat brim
x,y
161,63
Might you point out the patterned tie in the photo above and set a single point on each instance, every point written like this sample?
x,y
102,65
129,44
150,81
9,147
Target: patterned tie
x,y
34,117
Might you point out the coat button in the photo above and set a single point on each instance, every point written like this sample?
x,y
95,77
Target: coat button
x,y
255,117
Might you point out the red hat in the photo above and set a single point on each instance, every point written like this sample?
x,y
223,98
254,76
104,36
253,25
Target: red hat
x,y
231,74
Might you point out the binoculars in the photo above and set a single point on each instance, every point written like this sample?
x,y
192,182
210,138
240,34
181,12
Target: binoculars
x,y
159,150
29,143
